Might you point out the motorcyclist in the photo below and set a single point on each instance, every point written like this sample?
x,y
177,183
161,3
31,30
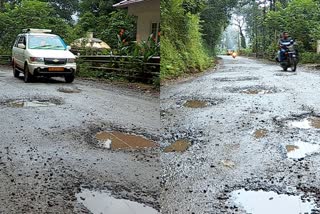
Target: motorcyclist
x,y
284,39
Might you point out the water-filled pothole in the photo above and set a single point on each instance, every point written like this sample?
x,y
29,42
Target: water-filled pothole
x,y
101,202
69,90
178,146
260,133
32,103
263,202
301,149
195,104
310,122
198,102
116,140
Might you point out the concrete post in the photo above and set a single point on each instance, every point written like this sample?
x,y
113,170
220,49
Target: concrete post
x,y
318,46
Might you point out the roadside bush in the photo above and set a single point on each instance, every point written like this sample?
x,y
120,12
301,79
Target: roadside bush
x,y
308,57
245,52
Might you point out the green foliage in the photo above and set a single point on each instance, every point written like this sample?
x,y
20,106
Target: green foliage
x,y
108,27
172,64
215,18
43,16
97,7
245,52
300,18
182,48
308,57
265,24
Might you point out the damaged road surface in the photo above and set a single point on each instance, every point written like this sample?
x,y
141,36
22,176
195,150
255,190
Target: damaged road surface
x,y
51,160
255,151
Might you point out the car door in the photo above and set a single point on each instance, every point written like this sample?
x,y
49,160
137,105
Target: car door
x,y
19,53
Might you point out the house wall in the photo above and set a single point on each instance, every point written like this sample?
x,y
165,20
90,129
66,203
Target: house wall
x,y
147,12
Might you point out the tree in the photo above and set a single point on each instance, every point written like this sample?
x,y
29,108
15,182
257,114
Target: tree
x,y
215,16
97,7
30,14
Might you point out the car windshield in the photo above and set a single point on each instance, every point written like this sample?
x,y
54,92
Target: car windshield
x,y
51,42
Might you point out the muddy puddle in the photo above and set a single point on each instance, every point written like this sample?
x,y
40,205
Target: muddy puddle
x,y
178,146
116,140
195,104
311,122
32,103
262,202
260,133
69,90
198,103
101,202
301,149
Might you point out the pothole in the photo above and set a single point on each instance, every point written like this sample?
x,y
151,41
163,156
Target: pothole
x,y
69,90
101,202
232,79
116,140
178,146
309,122
198,103
260,133
301,149
266,202
195,104
285,74
33,103
254,90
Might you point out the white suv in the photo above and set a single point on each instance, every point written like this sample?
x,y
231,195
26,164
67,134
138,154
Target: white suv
x,y
36,52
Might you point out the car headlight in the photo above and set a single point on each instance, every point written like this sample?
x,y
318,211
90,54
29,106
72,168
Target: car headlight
x,y
36,59
71,60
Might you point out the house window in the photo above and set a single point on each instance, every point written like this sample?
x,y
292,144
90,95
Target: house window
x,y
155,29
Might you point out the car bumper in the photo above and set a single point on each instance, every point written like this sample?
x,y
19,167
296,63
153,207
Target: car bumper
x,y
47,70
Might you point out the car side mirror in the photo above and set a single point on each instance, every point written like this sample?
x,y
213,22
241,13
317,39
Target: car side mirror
x,y
22,46
68,47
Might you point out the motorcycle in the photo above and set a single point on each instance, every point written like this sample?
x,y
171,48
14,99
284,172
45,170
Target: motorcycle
x,y
290,58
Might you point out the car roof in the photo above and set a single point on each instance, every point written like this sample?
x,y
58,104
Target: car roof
x,y
38,34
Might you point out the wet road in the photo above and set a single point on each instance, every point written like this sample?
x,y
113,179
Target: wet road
x,y
49,153
257,130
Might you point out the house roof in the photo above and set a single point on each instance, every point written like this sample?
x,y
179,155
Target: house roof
x,y
125,3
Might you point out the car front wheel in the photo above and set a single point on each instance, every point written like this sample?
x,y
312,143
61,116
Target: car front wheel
x,y
69,78
16,73
27,75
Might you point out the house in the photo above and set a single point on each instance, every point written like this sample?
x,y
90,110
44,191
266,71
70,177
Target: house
x,y
148,16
